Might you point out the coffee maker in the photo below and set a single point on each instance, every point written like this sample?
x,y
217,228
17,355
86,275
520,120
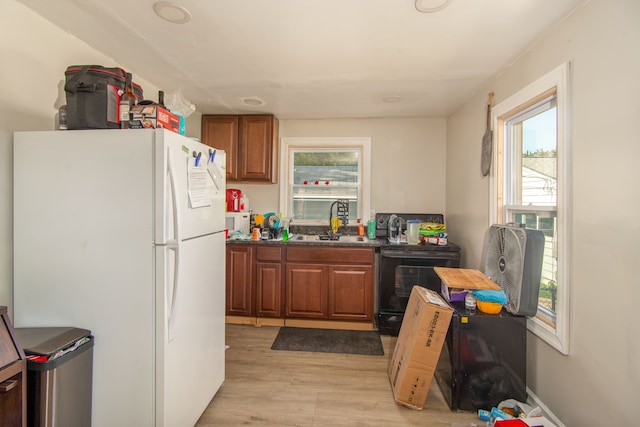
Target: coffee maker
x,y
395,229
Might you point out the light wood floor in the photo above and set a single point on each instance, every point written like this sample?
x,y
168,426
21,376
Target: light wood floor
x,y
287,388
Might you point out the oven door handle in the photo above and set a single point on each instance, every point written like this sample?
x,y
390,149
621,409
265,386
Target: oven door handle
x,y
419,254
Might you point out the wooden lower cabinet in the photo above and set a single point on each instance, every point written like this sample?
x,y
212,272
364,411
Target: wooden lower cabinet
x,y
269,289
306,290
350,292
331,283
13,376
239,277
300,282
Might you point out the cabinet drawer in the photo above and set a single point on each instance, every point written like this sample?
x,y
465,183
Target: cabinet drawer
x,y
269,253
346,255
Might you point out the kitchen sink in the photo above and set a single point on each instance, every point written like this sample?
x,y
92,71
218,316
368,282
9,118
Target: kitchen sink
x,y
326,239
353,239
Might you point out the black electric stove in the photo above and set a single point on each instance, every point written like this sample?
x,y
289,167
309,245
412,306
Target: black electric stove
x,y
402,266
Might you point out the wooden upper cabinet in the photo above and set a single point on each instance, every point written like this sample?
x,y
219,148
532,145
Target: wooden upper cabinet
x,y
251,144
258,148
221,132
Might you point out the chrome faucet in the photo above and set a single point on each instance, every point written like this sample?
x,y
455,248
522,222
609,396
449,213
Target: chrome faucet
x,y
342,213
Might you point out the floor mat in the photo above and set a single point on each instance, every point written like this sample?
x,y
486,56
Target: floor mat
x,y
329,341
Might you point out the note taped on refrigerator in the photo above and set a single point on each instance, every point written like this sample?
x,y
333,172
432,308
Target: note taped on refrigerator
x,y
198,190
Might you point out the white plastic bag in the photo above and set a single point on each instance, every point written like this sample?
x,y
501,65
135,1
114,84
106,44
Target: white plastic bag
x,y
522,409
179,105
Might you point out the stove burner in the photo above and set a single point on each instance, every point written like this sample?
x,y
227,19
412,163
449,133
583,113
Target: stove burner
x,y
382,232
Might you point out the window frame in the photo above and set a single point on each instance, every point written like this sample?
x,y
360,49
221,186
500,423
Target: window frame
x,y
288,144
556,81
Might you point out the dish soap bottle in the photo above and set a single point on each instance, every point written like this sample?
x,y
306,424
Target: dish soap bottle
x,y
360,228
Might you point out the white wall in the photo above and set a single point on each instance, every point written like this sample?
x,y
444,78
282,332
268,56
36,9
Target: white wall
x,y
34,56
407,156
598,384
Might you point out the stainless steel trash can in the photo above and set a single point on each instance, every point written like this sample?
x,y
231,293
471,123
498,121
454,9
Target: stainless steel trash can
x,y
59,375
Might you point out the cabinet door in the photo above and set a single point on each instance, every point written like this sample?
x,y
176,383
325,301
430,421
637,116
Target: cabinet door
x,y
306,292
221,132
12,397
239,274
258,148
268,289
351,292
13,376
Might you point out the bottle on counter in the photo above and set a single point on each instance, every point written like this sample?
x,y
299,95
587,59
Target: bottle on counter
x,y
127,102
360,228
371,230
244,203
62,118
161,99
470,302
255,235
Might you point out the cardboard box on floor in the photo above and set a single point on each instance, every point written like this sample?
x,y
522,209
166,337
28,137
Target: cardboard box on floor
x,y
422,334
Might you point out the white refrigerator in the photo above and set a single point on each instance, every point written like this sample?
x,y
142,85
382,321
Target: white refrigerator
x,y
122,232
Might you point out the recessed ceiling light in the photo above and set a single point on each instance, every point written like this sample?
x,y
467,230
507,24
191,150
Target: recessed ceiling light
x,y
253,101
430,6
172,12
392,99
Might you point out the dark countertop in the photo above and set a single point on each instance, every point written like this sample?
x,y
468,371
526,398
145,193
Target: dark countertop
x,y
377,243
325,243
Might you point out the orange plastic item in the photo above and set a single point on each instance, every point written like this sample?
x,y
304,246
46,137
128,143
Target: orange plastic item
x,y
489,307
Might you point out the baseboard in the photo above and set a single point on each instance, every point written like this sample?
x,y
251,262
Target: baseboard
x,y
300,323
329,324
534,401
240,320
269,321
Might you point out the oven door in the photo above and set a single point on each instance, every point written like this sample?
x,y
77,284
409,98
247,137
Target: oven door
x,y
399,271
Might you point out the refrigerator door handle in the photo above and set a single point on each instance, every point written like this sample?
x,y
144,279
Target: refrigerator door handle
x,y
173,245
173,296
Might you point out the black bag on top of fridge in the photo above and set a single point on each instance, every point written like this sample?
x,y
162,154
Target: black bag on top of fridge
x,y
93,96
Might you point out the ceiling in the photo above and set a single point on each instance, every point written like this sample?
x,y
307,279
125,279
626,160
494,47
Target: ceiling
x,y
313,59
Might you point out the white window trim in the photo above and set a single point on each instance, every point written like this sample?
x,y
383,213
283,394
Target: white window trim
x,y
362,143
558,78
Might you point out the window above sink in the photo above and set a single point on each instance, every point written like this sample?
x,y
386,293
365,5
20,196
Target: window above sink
x,y
315,172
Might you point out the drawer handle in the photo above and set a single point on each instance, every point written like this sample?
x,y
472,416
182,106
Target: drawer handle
x,y
8,385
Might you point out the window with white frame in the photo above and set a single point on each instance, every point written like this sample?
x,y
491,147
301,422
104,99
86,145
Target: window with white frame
x,y
530,185
320,171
